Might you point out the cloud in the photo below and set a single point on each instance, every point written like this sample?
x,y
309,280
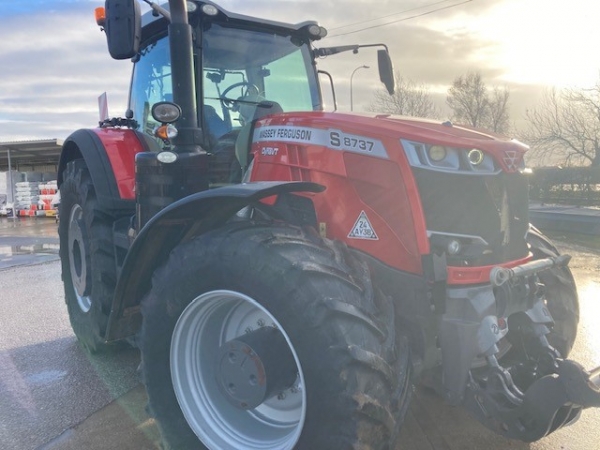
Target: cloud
x,y
54,69
55,63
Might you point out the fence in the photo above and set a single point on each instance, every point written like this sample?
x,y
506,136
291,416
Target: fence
x,y
570,185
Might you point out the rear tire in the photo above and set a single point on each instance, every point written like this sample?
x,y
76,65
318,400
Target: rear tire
x,y
87,257
353,385
561,294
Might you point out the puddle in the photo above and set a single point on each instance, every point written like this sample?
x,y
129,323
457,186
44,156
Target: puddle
x,y
45,377
30,249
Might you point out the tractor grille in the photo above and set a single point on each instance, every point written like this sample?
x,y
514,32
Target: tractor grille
x,y
492,207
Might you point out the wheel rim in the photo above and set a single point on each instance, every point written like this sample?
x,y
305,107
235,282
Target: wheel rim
x,y
209,321
78,258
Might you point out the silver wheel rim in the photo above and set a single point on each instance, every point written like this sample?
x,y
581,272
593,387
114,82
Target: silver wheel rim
x,y
77,259
209,321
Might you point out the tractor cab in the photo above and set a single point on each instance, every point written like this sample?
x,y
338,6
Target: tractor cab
x,y
240,69
241,73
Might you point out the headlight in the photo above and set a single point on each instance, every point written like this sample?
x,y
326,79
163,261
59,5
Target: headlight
x,y
449,159
209,10
437,153
457,245
454,247
166,112
476,156
167,157
314,30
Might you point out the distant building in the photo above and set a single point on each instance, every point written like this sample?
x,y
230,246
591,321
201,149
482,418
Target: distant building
x,y
35,161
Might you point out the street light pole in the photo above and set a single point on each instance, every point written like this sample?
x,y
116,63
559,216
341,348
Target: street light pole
x,y
351,76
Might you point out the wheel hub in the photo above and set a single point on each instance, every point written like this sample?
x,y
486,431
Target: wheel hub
x,y
254,367
211,327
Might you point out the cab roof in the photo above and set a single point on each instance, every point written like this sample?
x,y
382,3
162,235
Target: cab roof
x,y
150,20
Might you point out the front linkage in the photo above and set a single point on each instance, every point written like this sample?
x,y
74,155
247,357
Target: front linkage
x,y
561,390
526,391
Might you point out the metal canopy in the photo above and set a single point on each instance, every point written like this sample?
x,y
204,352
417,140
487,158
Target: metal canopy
x,y
30,153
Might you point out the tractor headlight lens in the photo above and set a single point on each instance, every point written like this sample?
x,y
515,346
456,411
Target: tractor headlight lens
x,y
437,153
463,246
166,112
167,157
454,247
475,156
210,10
314,30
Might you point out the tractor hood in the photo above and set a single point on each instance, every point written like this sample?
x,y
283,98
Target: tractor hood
x,y
383,128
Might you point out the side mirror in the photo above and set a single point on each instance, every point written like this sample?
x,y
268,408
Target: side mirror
x,y
123,28
386,70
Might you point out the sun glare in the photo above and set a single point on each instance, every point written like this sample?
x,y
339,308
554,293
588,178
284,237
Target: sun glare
x,y
588,330
537,41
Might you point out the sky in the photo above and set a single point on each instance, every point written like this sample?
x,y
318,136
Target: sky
x,y
54,63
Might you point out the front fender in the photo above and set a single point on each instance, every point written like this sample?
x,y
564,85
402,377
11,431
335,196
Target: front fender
x,y
180,221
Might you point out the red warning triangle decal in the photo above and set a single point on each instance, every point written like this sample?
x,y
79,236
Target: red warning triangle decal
x,y
363,229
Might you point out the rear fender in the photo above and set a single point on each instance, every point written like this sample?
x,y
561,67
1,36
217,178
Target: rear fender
x,y
177,223
109,154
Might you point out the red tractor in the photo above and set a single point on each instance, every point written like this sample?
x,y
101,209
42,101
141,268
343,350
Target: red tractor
x,y
289,274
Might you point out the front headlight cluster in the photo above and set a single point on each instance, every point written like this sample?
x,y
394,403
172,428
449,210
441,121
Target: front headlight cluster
x,y
449,159
461,246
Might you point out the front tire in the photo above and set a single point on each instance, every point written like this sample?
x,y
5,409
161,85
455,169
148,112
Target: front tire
x,y
349,388
87,257
561,294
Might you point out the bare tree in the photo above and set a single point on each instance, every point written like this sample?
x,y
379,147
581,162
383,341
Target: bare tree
x,y
409,99
565,127
473,104
499,119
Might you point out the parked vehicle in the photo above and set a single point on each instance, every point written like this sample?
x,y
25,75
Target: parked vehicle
x,y
6,210
289,273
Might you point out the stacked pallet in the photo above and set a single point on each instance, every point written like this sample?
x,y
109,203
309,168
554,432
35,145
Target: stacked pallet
x,y
34,199
27,196
47,193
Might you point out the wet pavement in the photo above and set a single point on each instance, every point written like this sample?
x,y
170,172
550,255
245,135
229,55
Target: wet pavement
x,y
53,396
27,241
563,218
48,385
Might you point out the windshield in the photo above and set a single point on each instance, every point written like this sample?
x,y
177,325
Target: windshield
x,y
244,75
151,83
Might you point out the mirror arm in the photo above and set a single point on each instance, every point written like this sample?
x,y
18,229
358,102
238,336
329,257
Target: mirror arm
x,y
328,51
159,9
327,74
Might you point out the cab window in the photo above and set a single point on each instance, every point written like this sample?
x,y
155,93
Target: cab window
x,y
151,83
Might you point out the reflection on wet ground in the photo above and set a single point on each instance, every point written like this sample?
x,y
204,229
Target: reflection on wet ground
x,y
45,248
589,293
27,241
585,241
28,226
